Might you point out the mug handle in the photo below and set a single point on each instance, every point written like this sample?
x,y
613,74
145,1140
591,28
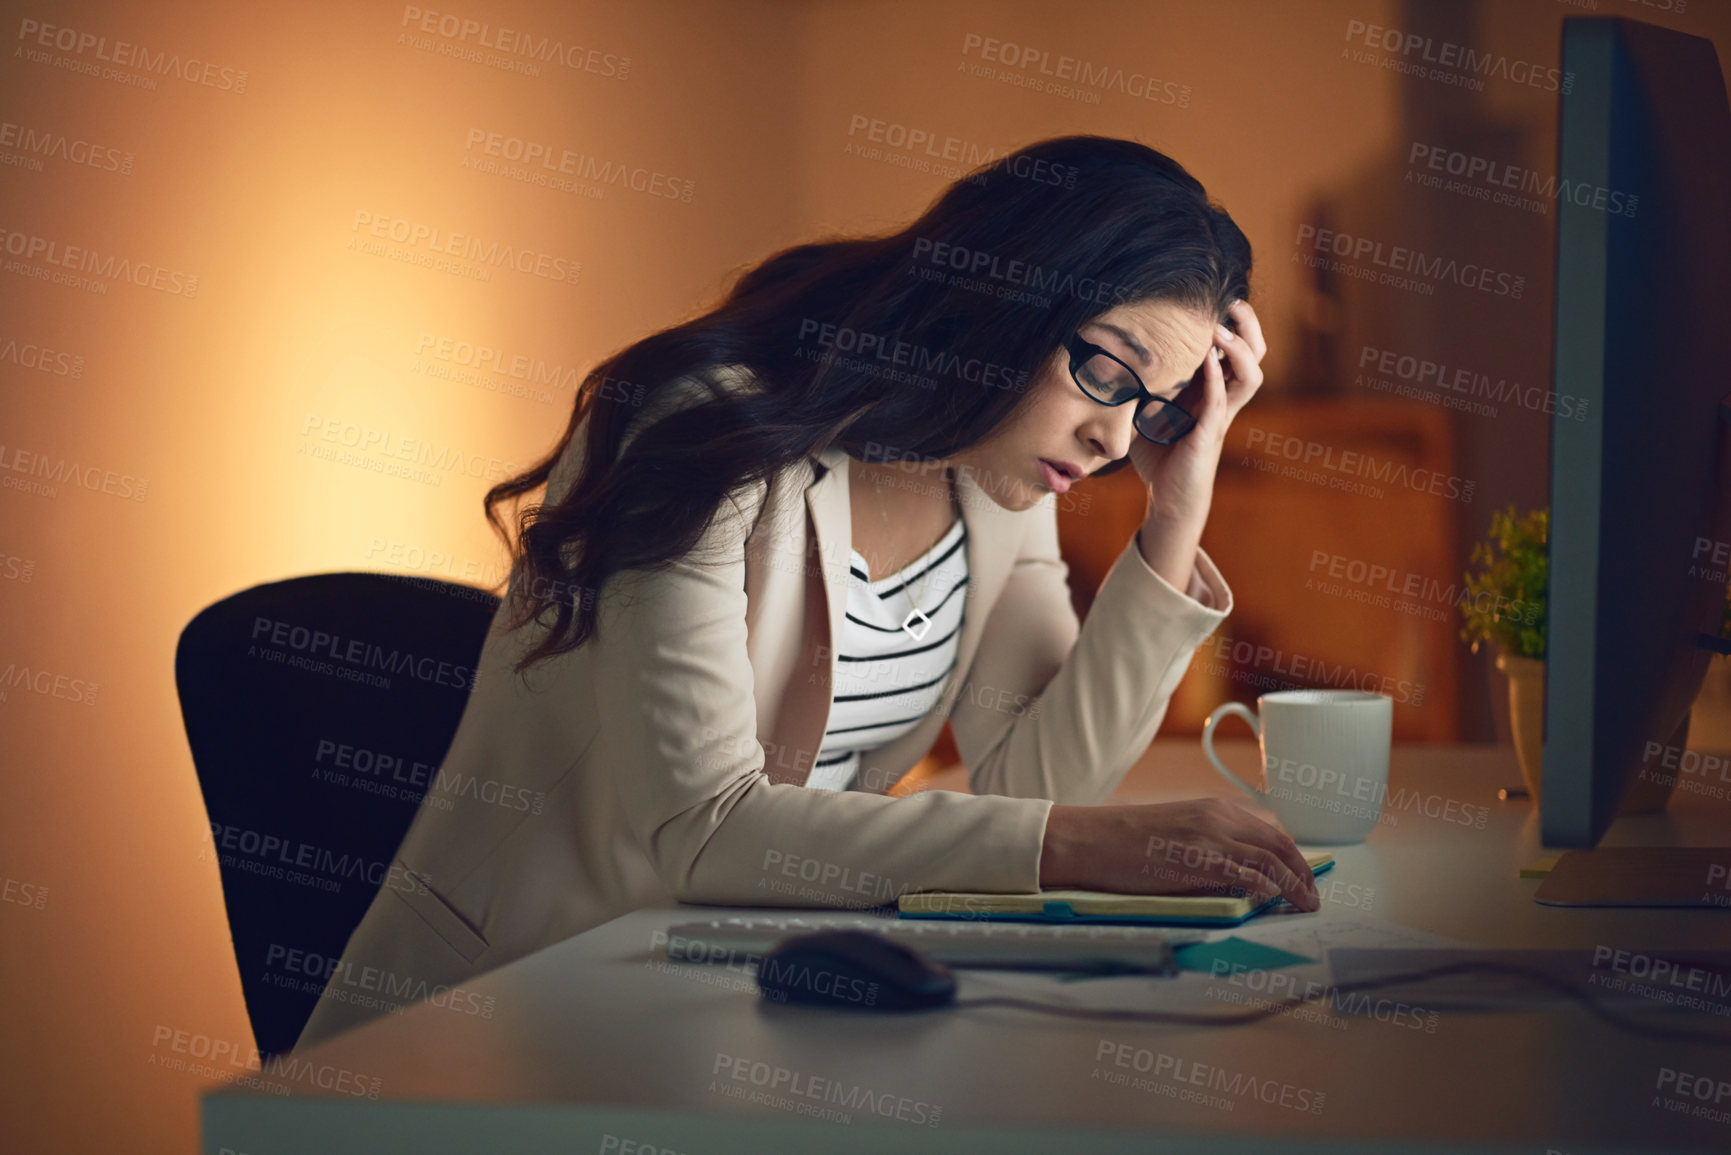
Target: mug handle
x,y
1214,719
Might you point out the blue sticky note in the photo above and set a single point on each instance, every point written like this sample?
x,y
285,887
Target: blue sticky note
x,y
1234,951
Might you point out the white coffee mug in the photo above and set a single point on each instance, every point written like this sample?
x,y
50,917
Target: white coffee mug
x,y
1325,758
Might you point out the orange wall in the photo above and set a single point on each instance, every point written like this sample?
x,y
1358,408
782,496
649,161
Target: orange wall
x,y
248,175
1249,98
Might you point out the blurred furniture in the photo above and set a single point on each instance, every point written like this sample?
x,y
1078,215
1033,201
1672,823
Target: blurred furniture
x,y
318,710
1283,498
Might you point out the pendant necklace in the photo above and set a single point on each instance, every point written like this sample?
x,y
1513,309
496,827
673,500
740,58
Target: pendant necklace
x,y
917,624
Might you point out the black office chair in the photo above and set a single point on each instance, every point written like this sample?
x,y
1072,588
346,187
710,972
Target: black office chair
x,y
318,710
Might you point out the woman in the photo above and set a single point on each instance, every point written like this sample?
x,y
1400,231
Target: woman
x,y
750,599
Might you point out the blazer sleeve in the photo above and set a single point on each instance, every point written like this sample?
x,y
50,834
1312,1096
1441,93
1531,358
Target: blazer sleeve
x,y
1097,692
678,734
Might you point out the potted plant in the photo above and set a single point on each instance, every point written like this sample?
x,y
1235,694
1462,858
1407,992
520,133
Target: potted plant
x,y
1505,605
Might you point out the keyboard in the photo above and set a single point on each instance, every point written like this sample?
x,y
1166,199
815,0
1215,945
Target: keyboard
x,y
960,943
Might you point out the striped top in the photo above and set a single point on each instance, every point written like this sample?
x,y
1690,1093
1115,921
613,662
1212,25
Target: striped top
x,y
885,681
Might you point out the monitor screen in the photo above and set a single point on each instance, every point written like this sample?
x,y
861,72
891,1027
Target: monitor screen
x,y
1643,257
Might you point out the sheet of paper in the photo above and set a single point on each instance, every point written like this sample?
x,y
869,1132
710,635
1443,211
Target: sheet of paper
x,y
1238,986
1309,935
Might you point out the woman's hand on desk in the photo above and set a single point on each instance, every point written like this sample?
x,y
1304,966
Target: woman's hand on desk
x,y
1173,848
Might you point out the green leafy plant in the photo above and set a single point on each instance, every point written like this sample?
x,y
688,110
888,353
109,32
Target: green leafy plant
x,y
1506,602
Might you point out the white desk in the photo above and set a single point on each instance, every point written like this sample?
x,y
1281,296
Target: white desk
x,y
592,1046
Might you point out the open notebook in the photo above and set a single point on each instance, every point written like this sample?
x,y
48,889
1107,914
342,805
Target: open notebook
x,y
1094,905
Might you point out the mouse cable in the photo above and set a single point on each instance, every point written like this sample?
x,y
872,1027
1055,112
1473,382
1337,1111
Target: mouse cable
x,y
1183,1018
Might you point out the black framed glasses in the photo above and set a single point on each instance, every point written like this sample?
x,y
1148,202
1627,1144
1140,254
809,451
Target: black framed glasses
x,y
1109,381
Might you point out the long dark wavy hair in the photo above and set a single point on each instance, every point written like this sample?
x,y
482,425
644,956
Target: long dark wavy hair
x,y
1004,266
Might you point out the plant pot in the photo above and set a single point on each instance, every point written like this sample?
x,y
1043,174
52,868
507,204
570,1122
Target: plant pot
x,y
1527,715
1648,793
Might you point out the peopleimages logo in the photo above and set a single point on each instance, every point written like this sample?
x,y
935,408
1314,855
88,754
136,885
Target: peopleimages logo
x,y
47,683
1280,987
45,471
462,31
1491,180
84,259
40,143
918,359
359,653
1302,671
261,853
1453,63
332,977
785,1087
216,1058
1700,1096
979,264
1064,75
923,141
414,234
479,355
1421,378
129,55
581,165
1162,1068
390,446
1314,782
1384,587
843,988
1423,269
41,358
830,876
1659,971
1354,463
410,780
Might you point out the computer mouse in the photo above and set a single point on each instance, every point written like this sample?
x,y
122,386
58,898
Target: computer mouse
x,y
853,970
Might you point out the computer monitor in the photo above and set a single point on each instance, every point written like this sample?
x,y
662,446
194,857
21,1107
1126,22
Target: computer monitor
x,y
1638,483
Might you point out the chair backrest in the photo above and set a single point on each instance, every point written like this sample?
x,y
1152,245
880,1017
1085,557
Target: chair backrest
x,y
318,710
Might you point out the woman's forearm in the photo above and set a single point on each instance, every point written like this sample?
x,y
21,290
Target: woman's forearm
x,y
1058,866
1169,546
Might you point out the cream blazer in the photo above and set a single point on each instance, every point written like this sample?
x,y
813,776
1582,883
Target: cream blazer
x,y
666,757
